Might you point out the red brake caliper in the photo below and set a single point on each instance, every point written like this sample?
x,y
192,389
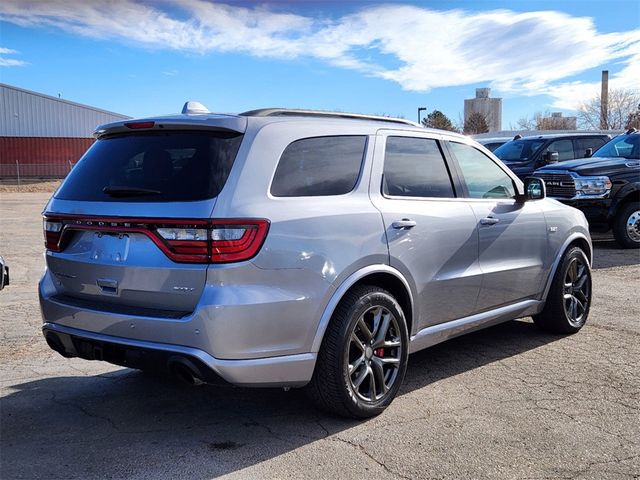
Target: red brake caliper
x,y
379,352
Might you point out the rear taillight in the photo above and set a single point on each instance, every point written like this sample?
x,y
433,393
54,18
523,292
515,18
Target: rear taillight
x,y
237,240
52,232
184,241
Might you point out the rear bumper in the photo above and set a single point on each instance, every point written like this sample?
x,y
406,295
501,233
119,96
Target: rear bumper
x,y
287,370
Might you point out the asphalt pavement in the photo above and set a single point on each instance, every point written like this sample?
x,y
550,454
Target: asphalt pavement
x,y
504,403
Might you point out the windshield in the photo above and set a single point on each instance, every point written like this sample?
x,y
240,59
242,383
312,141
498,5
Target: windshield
x,y
626,146
153,167
518,150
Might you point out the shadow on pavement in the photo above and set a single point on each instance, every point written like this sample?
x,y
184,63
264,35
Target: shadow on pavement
x,y
607,253
126,423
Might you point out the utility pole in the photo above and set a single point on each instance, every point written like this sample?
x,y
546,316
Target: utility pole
x,y
604,101
421,109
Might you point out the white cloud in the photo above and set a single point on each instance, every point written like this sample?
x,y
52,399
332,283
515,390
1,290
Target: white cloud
x,y
520,53
10,62
569,95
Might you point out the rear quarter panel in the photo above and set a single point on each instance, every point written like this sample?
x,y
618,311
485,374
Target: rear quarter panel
x,y
272,305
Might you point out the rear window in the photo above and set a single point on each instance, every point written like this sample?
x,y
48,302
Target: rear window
x,y
153,167
319,166
414,167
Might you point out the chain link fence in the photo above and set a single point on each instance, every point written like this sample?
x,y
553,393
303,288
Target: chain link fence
x,y
19,171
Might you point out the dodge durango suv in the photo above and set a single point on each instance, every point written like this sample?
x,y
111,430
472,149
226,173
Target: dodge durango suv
x,y
298,248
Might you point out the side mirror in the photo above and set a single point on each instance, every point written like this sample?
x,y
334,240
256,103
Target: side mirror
x,y
588,152
551,157
534,189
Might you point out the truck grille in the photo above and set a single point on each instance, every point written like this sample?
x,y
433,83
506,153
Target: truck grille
x,y
558,185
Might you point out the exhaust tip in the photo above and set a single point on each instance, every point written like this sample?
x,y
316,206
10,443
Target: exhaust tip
x,y
185,371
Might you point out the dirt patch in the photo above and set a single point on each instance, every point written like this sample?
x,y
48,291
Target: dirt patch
x,y
45,186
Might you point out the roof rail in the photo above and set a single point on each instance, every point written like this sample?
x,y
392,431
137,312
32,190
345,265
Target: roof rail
x,y
278,112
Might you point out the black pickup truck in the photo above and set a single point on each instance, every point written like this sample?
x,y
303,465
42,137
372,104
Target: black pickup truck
x,y
605,186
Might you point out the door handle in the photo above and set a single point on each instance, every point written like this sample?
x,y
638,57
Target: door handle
x,y
404,224
489,221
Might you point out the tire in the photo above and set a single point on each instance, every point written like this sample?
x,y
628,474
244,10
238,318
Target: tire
x,y
352,379
569,299
626,226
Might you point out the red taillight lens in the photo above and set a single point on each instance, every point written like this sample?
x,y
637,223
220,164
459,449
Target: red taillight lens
x,y
52,232
186,244
183,241
237,240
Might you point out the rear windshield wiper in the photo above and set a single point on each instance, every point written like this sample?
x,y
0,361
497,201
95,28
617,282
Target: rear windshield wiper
x,y
117,191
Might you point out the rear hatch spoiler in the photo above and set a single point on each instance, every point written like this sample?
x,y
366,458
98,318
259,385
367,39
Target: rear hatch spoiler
x,y
229,123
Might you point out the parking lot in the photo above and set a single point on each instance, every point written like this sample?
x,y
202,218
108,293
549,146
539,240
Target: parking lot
x,y
508,402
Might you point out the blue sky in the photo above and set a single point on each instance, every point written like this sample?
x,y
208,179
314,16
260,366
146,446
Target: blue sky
x,y
143,58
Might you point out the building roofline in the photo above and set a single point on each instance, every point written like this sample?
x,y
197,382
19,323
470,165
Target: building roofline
x,y
62,100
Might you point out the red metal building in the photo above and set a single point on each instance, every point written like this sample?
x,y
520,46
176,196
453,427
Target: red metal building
x,y
42,136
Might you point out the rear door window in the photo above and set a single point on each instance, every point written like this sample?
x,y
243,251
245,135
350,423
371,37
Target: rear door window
x,y
582,144
564,149
319,166
415,167
153,167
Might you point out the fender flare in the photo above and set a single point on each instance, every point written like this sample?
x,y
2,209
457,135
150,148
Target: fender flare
x,y
570,239
349,282
631,188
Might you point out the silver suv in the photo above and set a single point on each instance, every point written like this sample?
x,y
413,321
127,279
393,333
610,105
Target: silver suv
x,y
299,249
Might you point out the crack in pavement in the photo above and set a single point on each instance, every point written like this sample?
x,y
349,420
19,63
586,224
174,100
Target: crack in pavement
x,y
360,448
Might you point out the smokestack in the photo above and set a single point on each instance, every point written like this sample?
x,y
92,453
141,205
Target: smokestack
x,y
604,101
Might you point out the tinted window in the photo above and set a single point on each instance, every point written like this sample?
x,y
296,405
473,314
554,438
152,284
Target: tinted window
x,y
491,146
582,144
484,178
414,167
563,147
153,167
627,146
319,166
518,150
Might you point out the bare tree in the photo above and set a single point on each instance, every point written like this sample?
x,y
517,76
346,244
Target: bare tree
x,y
634,119
621,106
475,123
526,123
545,121
549,122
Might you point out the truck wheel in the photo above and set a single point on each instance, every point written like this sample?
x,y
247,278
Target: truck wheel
x,y
363,357
569,299
626,226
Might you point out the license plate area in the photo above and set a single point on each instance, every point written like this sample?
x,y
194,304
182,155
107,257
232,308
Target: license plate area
x,y
110,247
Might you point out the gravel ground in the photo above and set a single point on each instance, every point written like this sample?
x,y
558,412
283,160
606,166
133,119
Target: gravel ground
x,y
508,402
41,186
